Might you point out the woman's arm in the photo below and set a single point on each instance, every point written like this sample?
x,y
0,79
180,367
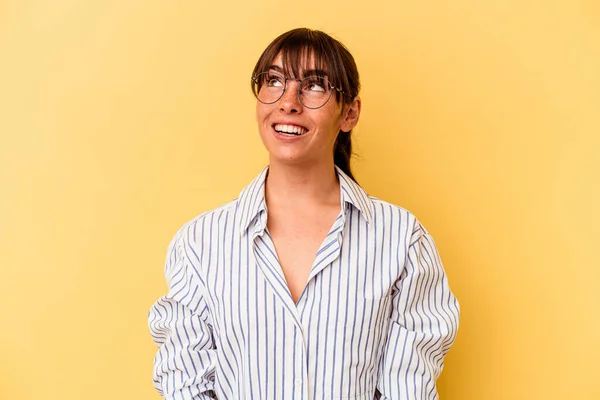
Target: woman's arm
x,y
180,326
423,326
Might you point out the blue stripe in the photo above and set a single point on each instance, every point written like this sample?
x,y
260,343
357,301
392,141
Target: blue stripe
x,y
376,313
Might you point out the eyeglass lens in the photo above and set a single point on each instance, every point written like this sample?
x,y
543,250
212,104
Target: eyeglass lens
x,y
314,91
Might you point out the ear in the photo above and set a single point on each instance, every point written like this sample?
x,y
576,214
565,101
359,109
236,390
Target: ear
x,y
350,115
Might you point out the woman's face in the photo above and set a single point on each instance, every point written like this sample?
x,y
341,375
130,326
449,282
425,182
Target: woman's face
x,y
318,128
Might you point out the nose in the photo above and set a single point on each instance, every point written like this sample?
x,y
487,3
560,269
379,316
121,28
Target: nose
x,y
290,101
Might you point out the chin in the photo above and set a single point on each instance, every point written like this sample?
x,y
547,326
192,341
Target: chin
x,y
285,157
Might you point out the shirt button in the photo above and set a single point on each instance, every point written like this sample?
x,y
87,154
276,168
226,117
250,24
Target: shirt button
x,y
298,382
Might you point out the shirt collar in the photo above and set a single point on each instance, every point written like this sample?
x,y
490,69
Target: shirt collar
x,y
251,200
352,193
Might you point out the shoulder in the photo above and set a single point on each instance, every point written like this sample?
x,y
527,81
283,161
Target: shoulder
x,y
393,212
206,222
395,217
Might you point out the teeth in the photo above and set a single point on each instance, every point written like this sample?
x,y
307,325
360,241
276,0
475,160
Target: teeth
x,y
297,130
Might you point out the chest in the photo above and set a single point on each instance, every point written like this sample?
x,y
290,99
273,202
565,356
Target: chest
x,y
297,240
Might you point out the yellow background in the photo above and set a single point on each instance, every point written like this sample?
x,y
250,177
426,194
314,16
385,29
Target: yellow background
x,y
121,120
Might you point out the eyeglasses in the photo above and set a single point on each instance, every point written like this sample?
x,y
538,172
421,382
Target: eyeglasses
x,y
313,91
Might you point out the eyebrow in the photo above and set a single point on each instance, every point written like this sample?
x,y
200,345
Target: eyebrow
x,y
308,72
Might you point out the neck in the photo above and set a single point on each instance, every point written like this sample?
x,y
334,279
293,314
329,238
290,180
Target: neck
x,y
293,186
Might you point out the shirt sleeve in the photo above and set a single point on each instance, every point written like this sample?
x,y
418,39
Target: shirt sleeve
x,y
180,326
423,326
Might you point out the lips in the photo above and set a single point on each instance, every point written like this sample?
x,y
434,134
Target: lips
x,y
290,129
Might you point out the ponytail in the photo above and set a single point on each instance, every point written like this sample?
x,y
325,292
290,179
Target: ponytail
x,y
342,152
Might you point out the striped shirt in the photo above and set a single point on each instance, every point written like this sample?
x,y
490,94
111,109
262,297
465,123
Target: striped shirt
x,y
375,319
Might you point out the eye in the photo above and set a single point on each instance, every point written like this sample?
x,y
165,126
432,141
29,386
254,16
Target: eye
x,y
314,84
272,80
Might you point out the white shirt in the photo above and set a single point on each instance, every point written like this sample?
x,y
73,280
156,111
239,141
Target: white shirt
x,y
375,320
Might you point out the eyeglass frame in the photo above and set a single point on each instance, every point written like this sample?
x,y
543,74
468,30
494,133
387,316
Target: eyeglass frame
x,y
299,90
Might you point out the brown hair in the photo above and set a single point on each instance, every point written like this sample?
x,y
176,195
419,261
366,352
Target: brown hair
x,y
296,46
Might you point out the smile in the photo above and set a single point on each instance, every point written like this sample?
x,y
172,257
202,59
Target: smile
x,y
290,129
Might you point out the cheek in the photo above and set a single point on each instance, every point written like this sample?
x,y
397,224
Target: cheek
x,y
332,119
262,112
258,112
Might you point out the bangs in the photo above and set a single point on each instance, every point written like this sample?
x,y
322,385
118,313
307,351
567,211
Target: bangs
x,y
297,60
303,50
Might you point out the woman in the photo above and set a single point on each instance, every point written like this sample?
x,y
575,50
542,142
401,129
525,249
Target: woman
x,y
304,287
